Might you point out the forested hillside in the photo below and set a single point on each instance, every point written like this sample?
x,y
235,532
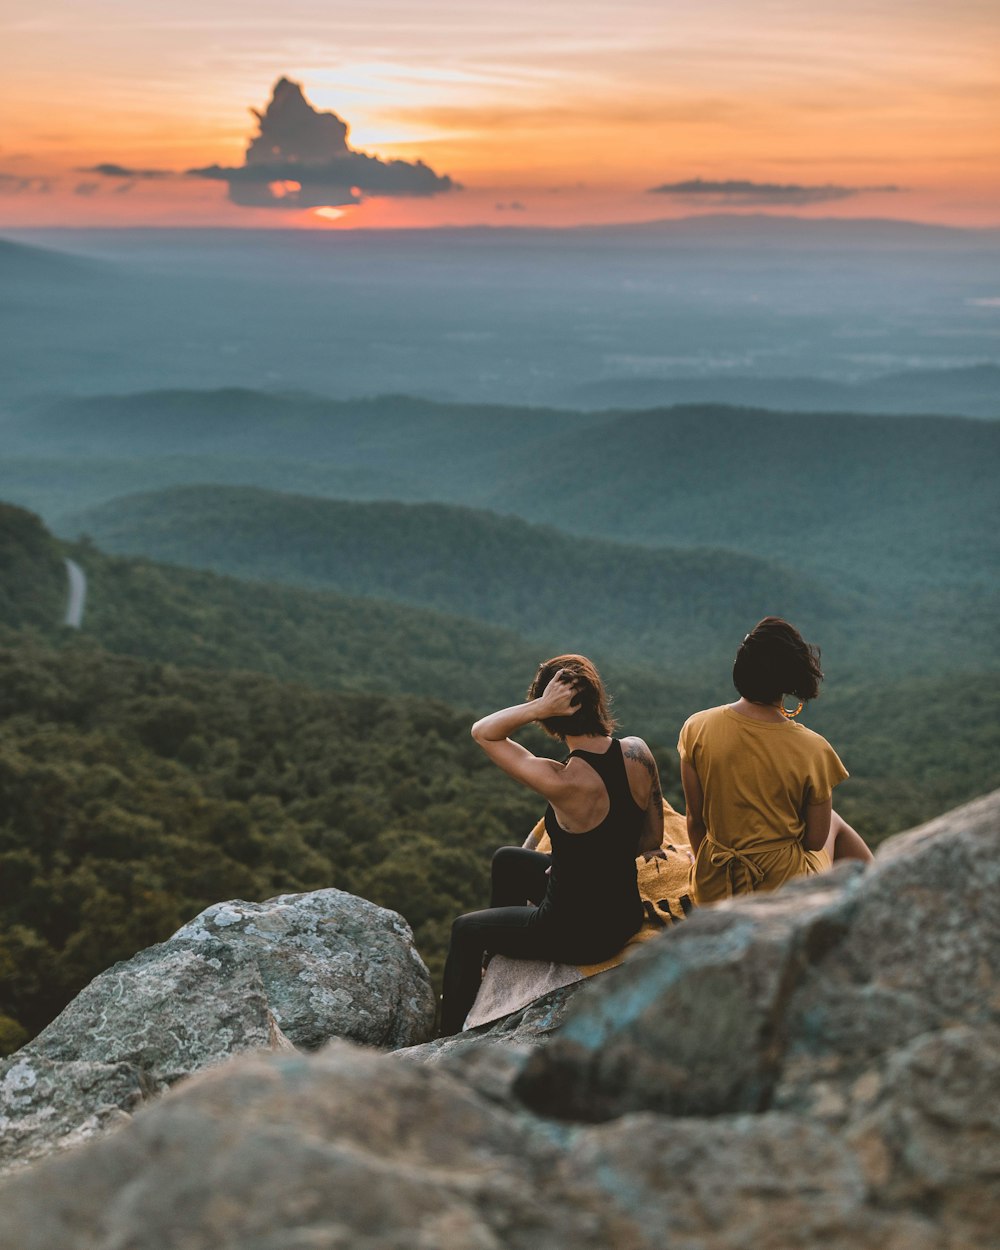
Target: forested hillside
x,y
862,495
33,584
651,607
132,795
901,501
184,616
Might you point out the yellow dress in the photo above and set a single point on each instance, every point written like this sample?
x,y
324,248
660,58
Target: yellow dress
x,y
756,777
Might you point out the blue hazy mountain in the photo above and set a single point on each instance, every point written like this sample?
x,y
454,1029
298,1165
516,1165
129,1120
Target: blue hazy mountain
x,y
507,316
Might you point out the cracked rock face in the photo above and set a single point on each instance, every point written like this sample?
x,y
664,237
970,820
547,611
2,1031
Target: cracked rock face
x,y
353,1150
788,1000
332,965
813,1068
324,965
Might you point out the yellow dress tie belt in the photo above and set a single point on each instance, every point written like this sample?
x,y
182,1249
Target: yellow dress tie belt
x,y
734,861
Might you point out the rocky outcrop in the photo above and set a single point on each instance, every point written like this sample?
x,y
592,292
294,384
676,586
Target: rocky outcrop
x,y
332,965
814,1067
353,1150
301,968
787,1000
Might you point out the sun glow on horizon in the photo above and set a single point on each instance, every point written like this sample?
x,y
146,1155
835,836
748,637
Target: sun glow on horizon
x,y
545,115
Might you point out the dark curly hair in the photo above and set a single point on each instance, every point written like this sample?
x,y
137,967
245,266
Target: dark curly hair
x,y
593,715
774,660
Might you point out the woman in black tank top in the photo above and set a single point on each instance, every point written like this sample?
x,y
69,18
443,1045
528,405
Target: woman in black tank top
x,y
580,904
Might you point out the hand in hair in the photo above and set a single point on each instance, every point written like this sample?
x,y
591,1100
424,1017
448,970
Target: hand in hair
x,y
560,697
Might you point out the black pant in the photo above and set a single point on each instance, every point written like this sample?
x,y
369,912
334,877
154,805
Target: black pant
x,y
517,885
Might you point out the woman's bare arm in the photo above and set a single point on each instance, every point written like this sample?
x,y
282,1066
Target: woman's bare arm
x,y
817,818
652,830
545,777
694,802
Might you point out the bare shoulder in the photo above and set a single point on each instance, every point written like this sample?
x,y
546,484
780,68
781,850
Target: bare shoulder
x,y
643,772
636,749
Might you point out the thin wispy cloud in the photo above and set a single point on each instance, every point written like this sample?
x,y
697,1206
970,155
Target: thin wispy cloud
x,y
742,192
110,170
20,184
300,158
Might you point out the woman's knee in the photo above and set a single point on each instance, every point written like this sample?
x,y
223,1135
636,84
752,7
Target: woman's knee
x,y
504,857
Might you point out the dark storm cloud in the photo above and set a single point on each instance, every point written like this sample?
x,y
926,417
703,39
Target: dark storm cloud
x,y
110,170
741,191
301,159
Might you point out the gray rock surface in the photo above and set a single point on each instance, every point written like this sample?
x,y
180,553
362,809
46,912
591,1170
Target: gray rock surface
x,y
491,1058
785,1000
352,1150
47,1105
332,965
136,1029
323,964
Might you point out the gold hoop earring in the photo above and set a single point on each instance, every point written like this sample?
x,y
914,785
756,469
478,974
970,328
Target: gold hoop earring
x,y
786,713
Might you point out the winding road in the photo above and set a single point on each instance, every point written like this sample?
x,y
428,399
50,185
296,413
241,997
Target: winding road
x,y
77,594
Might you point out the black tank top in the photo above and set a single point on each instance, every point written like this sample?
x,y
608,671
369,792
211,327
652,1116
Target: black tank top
x,y
592,898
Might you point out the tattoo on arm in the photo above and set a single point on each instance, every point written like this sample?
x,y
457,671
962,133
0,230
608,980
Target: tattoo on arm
x,y
636,749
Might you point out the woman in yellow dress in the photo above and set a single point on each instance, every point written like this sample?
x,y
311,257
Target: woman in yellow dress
x,y
758,786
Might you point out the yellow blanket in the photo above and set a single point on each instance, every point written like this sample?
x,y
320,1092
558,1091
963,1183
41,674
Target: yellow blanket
x,y
663,883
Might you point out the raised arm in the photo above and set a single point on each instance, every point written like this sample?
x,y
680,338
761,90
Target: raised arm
x,y
545,777
652,831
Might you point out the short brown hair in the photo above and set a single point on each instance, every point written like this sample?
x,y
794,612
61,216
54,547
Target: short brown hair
x,y
593,716
774,660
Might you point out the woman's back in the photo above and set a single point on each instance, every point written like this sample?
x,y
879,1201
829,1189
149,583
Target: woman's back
x,y
757,777
592,887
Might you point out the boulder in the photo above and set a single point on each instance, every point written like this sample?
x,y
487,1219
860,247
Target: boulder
x,y
332,965
788,1070
921,953
349,1149
47,1105
130,1034
322,964
345,1150
692,1023
750,1182
784,999
927,1128
491,1057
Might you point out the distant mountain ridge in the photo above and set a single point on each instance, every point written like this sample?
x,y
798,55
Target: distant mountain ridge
x,y
28,262
651,605
328,640
970,391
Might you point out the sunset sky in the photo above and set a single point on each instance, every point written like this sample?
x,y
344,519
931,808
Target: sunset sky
x,y
525,113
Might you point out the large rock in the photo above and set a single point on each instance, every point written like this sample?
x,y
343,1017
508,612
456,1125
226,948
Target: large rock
x,y
851,1091
352,1150
345,1150
752,1182
491,1057
130,1034
921,953
323,964
332,965
692,1023
928,1131
785,999
46,1105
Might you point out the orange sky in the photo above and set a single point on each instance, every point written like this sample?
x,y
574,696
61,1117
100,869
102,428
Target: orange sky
x,y
553,113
